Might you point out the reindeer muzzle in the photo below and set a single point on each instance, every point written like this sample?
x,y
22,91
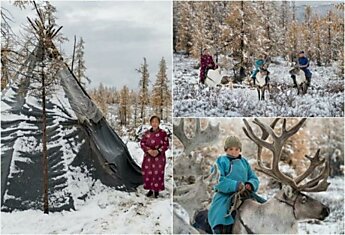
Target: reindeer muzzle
x,y
325,212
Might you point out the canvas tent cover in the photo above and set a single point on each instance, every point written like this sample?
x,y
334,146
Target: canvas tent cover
x,y
82,147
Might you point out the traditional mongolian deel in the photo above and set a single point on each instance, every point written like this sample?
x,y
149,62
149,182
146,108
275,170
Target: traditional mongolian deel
x,y
206,63
232,171
153,167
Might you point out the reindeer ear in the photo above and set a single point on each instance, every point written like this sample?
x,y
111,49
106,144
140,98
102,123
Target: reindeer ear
x,y
288,191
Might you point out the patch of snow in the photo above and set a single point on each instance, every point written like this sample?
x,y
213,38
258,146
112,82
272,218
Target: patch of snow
x,y
107,211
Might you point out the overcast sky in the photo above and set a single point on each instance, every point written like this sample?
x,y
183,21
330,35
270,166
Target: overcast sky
x,y
117,36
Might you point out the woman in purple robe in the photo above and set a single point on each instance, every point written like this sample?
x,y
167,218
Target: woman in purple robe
x,y
154,143
206,63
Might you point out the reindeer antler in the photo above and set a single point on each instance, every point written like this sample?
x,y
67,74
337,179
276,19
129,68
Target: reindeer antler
x,y
200,138
317,184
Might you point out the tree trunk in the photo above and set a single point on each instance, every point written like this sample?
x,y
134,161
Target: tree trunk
x,y
161,100
44,144
242,35
329,54
135,113
74,46
318,51
142,114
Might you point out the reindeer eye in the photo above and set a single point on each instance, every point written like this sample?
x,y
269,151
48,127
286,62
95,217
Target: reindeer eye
x,y
304,199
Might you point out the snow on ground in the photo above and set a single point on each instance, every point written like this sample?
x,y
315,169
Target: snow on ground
x,y
325,97
106,211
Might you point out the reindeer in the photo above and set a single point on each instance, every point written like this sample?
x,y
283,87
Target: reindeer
x,y
261,83
217,77
280,214
301,80
289,205
192,197
182,225
188,167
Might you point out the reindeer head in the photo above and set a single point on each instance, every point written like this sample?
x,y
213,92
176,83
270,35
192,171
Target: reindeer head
x,y
188,166
296,69
304,207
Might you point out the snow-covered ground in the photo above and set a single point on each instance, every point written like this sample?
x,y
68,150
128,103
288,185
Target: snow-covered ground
x,y
324,98
106,211
98,208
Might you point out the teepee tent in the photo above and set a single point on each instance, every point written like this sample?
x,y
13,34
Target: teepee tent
x,y
82,147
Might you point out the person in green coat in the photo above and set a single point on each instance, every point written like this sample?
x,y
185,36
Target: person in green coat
x,y
235,174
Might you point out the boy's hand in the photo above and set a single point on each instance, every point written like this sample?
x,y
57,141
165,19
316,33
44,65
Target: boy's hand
x,y
240,187
248,187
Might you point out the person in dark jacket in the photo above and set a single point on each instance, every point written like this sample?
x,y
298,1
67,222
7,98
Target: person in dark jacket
x,y
206,63
154,144
303,63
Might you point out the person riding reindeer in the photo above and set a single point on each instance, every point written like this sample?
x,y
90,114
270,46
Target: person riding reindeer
x,y
206,63
303,63
235,177
261,64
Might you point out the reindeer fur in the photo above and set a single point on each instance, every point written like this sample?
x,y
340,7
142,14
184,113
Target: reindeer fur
x,y
261,85
215,77
301,80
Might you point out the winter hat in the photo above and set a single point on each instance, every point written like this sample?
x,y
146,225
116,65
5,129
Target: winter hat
x,y
232,141
301,52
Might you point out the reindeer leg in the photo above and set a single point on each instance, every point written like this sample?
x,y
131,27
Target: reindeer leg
x,y
263,94
258,93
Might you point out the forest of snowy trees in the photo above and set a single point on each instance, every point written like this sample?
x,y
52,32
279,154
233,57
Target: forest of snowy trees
x,y
244,30
134,107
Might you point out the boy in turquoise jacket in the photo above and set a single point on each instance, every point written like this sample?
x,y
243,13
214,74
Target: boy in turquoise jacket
x,y
235,174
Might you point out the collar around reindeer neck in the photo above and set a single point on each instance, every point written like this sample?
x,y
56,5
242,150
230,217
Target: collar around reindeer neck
x,y
288,203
